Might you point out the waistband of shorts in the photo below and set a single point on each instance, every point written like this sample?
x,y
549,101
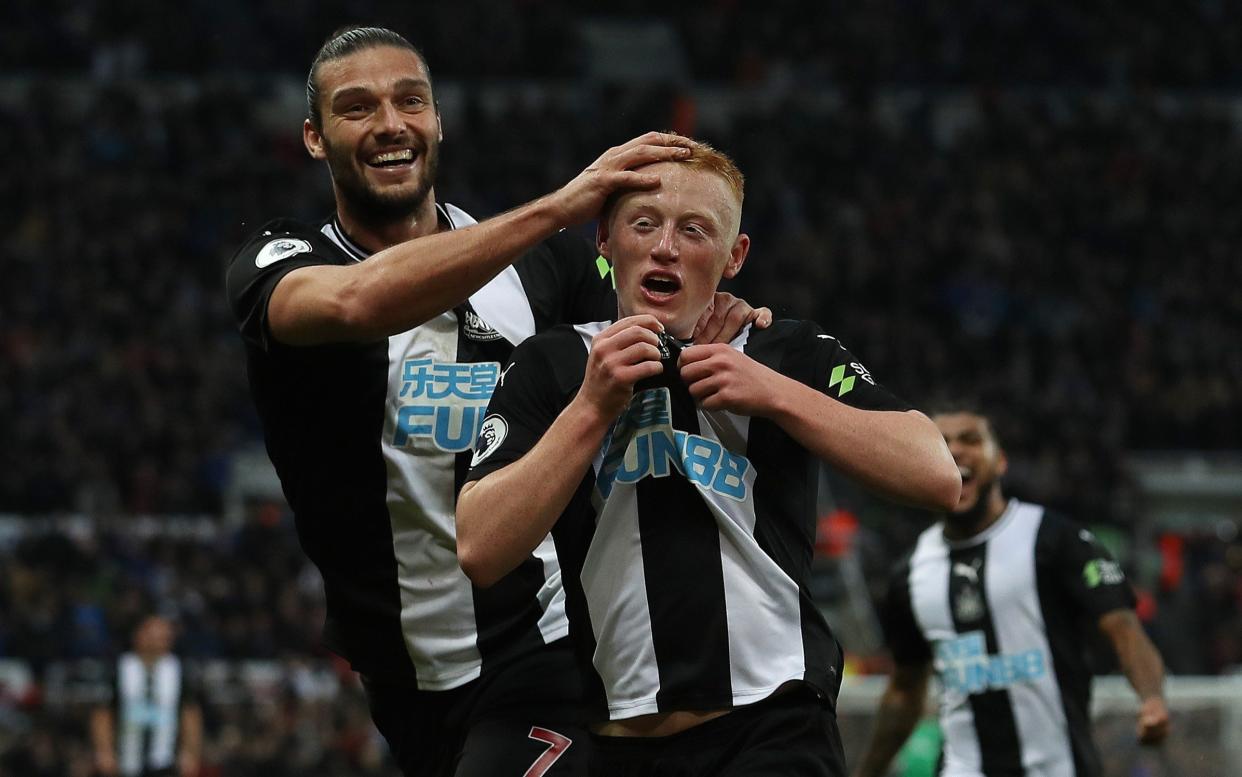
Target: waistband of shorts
x,y
802,696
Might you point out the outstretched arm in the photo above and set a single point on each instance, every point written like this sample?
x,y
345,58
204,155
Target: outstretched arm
x,y
502,518
898,454
1143,667
409,283
901,706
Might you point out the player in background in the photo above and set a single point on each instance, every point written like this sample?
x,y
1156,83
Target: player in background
x,y
373,341
153,725
681,493
999,599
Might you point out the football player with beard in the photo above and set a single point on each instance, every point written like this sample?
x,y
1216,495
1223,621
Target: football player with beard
x,y
996,599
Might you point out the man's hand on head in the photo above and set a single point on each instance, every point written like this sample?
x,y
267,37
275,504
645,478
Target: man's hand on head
x,y
582,198
726,316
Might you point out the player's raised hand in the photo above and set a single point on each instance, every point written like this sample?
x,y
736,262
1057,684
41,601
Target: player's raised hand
x,y
621,355
722,378
1153,721
582,198
725,317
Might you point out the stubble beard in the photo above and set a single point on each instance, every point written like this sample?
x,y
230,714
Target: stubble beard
x,y
378,208
968,521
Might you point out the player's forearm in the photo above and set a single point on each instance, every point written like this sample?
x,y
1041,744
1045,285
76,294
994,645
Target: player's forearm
x,y
897,716
1139,660
101,730
192,731
407,284
504,516
898,454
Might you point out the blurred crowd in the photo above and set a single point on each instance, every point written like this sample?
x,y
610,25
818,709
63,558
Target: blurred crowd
x,y
1106,43
247,607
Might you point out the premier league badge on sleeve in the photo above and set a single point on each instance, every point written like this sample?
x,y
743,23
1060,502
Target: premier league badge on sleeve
x,y
281,248
493,433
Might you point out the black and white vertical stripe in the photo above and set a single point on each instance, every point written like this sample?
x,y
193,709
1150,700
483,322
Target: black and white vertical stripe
x,y
441,612
695,611
148,702
1001,707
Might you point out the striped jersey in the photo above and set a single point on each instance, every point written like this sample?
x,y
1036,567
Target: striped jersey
x,y
371,442
147,703
686,549
1005,617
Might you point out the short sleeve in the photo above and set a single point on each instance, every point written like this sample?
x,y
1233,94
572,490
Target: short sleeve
x,y
902,634
842,376
253,272
1082,569
567,282
527,400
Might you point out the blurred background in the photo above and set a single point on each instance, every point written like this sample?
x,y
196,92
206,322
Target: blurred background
x,y
1036,204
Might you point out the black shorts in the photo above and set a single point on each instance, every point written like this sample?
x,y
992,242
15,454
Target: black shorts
x,y
791,735
522,719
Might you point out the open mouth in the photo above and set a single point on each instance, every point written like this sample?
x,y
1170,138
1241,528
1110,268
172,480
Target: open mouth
x,y
394,158
661,284
967,473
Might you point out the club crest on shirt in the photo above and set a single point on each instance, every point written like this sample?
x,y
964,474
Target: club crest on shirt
x,y
968,604
280,248
493,432
475,328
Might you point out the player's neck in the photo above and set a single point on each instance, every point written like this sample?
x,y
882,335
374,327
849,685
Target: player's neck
x,y
377,235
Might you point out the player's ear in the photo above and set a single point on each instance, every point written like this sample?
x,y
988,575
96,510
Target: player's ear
x,y
601,237
1002,463
313,141
737,255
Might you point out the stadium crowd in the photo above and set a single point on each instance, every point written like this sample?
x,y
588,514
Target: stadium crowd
x,y
1036,209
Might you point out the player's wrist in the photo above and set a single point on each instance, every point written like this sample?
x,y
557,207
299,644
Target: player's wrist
x,y
589,415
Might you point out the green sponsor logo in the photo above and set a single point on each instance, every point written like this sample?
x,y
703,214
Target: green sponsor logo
x,y
1102,571
838,376
605,269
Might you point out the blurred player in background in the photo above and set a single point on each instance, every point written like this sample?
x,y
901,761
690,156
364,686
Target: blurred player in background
x,y
681,492
153,725
1000,599
373,341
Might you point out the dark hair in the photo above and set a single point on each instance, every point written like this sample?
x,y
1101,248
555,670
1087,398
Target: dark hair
x,y
965,404
342,43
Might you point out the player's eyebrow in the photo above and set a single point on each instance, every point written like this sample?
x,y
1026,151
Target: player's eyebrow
x,y
401,85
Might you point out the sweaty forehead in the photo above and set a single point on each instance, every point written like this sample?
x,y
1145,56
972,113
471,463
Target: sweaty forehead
x,y
686,188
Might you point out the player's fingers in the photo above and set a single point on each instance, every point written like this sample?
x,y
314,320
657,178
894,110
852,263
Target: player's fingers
x,y
698,353
631,158
641,351
647,323
636,372
645,320
763,317
649,139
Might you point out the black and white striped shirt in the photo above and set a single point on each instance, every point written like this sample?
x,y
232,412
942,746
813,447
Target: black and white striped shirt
x,y
686,549
1005,617
372,441
147,703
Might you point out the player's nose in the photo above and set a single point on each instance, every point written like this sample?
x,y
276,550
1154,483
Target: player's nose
x,y
665,248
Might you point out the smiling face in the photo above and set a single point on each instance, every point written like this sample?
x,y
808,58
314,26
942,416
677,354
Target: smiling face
x,y
380,132
979,459
671,246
